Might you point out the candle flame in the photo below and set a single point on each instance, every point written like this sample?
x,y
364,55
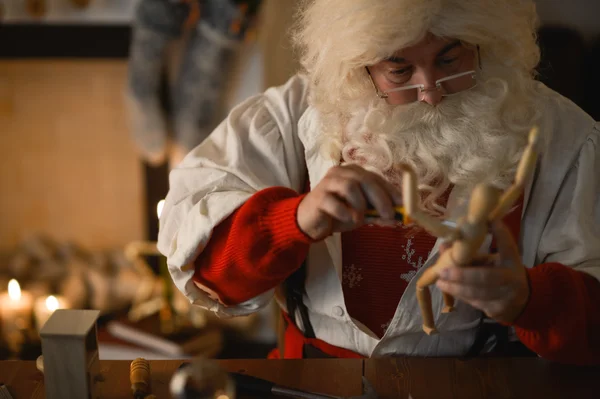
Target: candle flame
x,y
52,303
159,207
14,290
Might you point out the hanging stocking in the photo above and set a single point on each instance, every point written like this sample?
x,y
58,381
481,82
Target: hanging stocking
x,y
36,8
81,3
205,62
157,23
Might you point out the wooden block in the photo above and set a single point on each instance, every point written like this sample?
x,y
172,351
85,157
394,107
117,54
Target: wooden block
x,y
70,351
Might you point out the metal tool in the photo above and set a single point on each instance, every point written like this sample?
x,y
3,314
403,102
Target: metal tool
x,y
399,213
400,216
257,386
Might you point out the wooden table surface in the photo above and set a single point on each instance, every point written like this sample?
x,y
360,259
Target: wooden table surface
x,y
414,378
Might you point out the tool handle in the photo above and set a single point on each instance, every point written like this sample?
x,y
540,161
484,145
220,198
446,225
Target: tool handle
x,y
252,385
139,376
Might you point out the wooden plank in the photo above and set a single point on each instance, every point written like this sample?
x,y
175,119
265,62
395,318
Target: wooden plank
x,y
330,376
480,378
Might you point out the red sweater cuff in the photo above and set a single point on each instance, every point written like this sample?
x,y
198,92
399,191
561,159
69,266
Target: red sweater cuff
x,y
541,290
561,321
277,221
254,249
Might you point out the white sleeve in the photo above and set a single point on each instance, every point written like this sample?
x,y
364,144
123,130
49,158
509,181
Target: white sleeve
x,y
256,147
572,233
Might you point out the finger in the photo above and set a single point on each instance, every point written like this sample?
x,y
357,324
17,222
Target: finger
x,y
337,209
484,260
381,194
345,226
492,309
393,191
507,247
349,190
472,293
380,200
481,276
445,246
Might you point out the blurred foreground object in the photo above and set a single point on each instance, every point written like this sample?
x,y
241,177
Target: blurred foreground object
x,y
140,378
202,379
70,355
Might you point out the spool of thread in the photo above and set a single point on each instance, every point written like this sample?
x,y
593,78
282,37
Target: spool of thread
x,y
139,376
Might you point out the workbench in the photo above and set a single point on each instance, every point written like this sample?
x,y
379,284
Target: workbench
x,y
392,378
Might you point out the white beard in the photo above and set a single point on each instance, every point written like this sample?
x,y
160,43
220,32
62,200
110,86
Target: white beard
x,y
464,140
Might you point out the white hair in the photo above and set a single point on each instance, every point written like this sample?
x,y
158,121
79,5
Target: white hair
x,y
468,138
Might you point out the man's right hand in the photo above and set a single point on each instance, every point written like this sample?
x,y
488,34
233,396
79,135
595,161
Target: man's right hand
x,y
338,203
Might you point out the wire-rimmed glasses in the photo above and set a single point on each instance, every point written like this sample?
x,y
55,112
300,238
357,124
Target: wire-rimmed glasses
x,y
447,86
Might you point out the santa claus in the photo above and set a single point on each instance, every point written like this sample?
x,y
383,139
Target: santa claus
x,y
273,203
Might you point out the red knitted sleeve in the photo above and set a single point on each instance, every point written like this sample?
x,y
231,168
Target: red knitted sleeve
x,y
561,321
254,249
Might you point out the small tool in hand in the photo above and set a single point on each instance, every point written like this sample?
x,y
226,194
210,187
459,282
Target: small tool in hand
x,y
399,213
139,376
247,384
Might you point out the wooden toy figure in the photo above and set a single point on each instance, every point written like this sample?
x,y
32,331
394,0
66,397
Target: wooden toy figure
x,y
486,205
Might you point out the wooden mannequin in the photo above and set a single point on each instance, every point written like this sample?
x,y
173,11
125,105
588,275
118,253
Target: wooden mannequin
x,y
486,205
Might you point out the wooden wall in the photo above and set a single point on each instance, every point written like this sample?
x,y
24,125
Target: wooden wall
x,y
67,166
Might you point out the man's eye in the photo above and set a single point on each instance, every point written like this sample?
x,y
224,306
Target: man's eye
x,y
447,61
401,71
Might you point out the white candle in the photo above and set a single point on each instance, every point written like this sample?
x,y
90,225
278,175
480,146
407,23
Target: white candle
x,y
15,313
45,306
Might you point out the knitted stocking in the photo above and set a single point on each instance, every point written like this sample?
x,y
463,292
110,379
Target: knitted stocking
x,y
81,3
157,23
36,8
205,63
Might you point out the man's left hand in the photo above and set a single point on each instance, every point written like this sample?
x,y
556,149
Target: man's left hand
x,y
495,284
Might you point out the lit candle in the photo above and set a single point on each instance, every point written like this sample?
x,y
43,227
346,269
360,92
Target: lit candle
x,y
44,307
15,313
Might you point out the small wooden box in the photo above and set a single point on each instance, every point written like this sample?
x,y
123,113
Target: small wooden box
x,y
70,352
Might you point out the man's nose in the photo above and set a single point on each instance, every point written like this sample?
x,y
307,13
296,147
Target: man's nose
x,y
431,95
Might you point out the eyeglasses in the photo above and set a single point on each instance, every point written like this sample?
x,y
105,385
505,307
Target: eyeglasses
x,y
448,86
